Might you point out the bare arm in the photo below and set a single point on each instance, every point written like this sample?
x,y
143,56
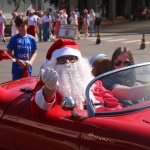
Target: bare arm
x,y
131,93
19,61
32,58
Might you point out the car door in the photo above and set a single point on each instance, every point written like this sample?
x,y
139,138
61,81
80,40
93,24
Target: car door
x,y
57,130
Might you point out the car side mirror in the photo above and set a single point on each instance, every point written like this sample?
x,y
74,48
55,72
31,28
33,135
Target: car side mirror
x,y
69,104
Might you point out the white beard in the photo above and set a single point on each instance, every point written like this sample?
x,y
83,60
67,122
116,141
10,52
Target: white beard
x,y
73,79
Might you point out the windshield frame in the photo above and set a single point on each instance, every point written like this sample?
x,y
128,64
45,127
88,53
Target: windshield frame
x,y
126,110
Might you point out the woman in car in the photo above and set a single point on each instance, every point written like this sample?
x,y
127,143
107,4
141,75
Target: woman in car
x,y
124,85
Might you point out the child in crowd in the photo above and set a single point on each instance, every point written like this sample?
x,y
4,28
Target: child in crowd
x,y
12,22
2,25
24,49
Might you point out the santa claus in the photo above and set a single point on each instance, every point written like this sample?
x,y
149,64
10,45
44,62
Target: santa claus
x,y
67,73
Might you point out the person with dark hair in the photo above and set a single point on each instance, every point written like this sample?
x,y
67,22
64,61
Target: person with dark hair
x,y
92,21
2,25
47,24
24,49
32,23
123,84
86,23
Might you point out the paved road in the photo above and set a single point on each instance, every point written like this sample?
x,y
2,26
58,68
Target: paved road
x,y
112,36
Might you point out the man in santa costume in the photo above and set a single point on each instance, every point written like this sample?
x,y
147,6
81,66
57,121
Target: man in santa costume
x,y
67,73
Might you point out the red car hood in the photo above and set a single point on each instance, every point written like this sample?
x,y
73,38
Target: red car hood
x,y
11,90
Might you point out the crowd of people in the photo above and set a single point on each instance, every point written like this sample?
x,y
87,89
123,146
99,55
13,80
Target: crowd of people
x,y
45,25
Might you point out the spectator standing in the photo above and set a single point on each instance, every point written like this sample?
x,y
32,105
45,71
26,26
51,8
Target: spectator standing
x,y
98,16
64,17
32,23
57,23
40,26
78,16
92,21
12,23
2,25
74,21
86,23
24,49
47,22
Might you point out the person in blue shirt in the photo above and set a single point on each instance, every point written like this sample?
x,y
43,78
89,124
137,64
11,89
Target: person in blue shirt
x,y
23,48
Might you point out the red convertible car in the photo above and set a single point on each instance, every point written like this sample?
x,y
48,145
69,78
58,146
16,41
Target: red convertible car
x,y
141,13
65,127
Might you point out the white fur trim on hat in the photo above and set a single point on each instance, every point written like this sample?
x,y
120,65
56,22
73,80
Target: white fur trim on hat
x,y
66,51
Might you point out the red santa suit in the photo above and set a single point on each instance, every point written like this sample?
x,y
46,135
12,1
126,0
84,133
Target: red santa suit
x,y
98,93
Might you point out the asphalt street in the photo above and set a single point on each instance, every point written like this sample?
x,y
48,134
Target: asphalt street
x,y
112,36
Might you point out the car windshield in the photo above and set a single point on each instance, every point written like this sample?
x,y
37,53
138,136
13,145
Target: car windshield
x,y
133,85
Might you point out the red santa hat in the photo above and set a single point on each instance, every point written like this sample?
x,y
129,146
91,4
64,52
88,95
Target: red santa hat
x,y
14,13
61,11
63,47
41,12
32,11
64,10
72,11
85,10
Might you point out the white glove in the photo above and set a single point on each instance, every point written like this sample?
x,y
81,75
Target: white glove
x,y
50,78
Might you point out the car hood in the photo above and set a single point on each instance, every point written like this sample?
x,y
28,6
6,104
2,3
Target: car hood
x,y
11,90
146,118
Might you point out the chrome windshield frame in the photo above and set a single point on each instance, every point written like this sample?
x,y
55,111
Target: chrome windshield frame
x,y
90,109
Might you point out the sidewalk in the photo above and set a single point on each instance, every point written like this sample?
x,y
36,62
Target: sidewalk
x,y
116,21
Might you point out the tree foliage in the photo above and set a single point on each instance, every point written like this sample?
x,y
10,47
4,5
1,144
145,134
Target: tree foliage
x,y
53,2
15,2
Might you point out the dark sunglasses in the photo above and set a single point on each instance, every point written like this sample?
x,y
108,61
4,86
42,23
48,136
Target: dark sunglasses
x,y
62,60
125,63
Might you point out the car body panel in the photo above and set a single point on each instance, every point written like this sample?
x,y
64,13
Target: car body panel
x,y
11,90
141,13
112,132
127,128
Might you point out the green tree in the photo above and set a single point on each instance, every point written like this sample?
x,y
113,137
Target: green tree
x,y
15,2
53,2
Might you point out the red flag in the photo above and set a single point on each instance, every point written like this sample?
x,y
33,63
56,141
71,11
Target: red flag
x,y
4,55
25,73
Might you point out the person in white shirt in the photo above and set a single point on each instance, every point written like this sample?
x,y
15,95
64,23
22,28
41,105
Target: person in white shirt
x,y
2,25
78,15
12,22
92,21
32,23
47,22
74,21
64,17
40,24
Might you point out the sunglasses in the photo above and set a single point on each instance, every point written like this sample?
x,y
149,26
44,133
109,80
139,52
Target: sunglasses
x,y
125,63
62,60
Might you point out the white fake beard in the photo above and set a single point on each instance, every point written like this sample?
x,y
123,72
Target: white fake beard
x,y
73,79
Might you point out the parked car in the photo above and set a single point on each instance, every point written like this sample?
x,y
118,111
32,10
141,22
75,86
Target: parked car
x,y
66,127
141,13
